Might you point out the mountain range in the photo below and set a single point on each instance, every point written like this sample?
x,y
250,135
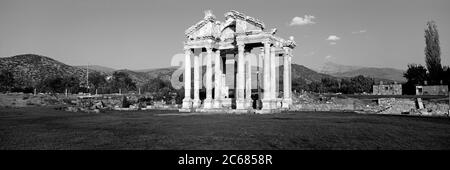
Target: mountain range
x,y
339,70
30,68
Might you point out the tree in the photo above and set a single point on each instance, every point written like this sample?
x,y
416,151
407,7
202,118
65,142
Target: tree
x,y
6,80
433,53
316,87
155,85
330,84
362,84
415,74
299,84
347,86
446,73
121,80
162,90
97,80
59,84
71,83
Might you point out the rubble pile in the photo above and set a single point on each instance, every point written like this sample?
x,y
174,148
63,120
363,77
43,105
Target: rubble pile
x,y
396,106
101,103
411,106
310,102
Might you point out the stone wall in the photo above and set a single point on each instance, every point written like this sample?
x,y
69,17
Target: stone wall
x,y
396,105
387,89
432,90
435,108
310,102
410,106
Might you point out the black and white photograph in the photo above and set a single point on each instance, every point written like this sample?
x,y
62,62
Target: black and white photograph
x,y
232,81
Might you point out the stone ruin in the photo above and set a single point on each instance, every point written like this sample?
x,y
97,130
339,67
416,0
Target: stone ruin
x,y
407,106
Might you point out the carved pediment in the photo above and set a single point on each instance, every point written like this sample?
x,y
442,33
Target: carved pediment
x,y
208,27
237,27
227,33
248,23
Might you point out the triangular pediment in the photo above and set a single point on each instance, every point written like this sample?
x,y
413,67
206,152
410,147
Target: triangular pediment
x,y
208,27
244,22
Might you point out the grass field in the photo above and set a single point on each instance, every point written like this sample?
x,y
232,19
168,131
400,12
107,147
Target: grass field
x,y
47,128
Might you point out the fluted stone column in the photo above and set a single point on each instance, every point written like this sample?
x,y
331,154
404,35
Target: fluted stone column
x,y
217,81
248,82
240,101
207,104
287,100
196,102
290,73
187,101
267,100
261,72
273,78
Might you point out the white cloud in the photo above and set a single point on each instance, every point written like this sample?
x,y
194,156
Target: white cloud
x,y
307,19
359,32
328,57
332,43
333,38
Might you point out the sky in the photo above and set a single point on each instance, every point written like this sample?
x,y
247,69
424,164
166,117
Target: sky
x,y
142,34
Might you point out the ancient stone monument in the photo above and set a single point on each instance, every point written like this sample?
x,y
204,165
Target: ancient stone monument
x,y
231,45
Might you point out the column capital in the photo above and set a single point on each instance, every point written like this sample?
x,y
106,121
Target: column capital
x,y
266,42
187,50
272,50
209,49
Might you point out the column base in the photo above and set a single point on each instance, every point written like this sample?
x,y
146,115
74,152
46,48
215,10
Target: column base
x,y
267,104
187,103
226,103
196,103
207,103
277,103
240,104
249,103
287,102
217,103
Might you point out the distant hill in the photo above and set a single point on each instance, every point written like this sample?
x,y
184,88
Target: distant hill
x,y
385,74
377,73
309,75
138,77
98,68
332,68
164,73
29,69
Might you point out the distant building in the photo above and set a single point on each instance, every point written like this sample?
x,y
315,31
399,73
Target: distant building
x,y
387,89
432,90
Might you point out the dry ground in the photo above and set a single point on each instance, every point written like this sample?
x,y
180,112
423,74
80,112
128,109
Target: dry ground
x,y
47,128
